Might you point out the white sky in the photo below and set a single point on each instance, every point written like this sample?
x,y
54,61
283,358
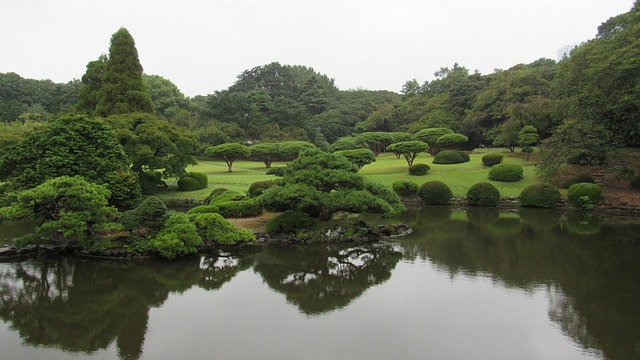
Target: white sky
x,y
202,46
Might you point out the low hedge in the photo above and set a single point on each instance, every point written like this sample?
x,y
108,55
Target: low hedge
x,y
584,194
226,196
580,178
405,188
257,188
419,169
435,193
540,195
505,173
204,209
291,222
483,194
451,157
239,209
489,160
189,184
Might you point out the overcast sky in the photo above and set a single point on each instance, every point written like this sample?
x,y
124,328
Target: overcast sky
x,y
202,46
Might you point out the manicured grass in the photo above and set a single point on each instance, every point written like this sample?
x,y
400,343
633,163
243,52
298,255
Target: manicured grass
x,y
385,170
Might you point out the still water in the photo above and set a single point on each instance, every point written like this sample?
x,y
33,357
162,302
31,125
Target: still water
x,y
465,285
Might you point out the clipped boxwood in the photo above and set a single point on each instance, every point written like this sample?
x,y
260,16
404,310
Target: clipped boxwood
x,y
203,209
291,222
276,170
580,178
483,194
239,209
405,188
635,183
257,188
187,183
505,173
489,160
540,195
451,157
419,169
582,194
435,193
226,196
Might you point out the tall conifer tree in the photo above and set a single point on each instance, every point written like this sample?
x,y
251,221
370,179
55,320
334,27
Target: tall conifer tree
x,y
122,88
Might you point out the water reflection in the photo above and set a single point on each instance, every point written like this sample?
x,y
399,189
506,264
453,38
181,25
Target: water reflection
x,y
318,279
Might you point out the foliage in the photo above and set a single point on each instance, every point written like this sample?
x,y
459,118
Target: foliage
x,y
125,189
148,218
540,195
451,140
348,143
204,209
122,89
213,228
258,187
71,205
409,149
266,152
150,181
584,194
238,208
435,193
450,157
225,196
405,188
508,136
528,137
291,222
483,194
229,153
360,157
178,237
506,172
419,169
377,141
430,136
635,182
580,178
277,171
320,184
193,181
492,159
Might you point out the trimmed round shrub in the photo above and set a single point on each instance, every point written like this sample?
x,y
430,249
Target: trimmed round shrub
x,y
187,183
226,196
540,195
150,214
435,193
419,169
635,183
580,178
465,156
239,209
505,173
203,209
291,222
450,157
276,170
405,188
214,194
489,160
483,194
584,194
257,188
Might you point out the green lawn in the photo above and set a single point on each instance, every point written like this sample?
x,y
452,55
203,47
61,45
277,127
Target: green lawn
x,y
385,170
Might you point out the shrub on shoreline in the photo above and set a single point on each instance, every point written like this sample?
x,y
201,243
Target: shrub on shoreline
x,y
435,193
540,195
405,188
483,194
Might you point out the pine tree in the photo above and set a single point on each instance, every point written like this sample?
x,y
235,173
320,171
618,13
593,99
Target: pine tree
x,y
122,88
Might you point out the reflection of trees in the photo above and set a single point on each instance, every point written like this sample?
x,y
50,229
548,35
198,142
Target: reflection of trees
x,y
593,279
83,306
319,279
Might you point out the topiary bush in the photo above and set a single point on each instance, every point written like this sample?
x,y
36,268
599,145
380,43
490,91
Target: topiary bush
x,y
291,222
489,160
226,196
186,183
450,157
419,169
257,188
213,194
239,208
540,195
483,194
635,183
505,173
277,171
150,215
580,178
213,228
465,156
204,209
435,193
584,194
405,188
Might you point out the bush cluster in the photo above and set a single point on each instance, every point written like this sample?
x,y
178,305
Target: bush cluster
x,y
213,228
435,193
150,215
277,171
540,195
580,178
291,222
239,208
635,182
150,181
489,160
483,194
257,188
193,181
584,194
451,157
405,188
419,169
505,172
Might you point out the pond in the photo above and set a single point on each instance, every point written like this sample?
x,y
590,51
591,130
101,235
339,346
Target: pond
x,y
474,284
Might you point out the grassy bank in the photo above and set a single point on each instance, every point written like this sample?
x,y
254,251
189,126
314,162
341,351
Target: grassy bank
x,y
385,170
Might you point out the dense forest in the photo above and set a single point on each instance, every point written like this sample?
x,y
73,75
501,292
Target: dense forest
x,y
583,107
